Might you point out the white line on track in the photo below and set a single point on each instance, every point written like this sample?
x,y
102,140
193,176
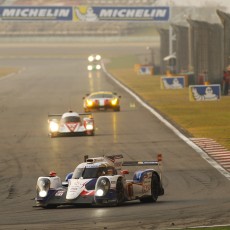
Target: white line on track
x,y
203,154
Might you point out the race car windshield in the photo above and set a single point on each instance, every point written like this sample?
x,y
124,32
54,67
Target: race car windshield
x,y
71,119
101,96
87,173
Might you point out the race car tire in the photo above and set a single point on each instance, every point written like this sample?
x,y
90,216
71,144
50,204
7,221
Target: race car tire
x,y
117,109
155,185
120,191
91,133
52,135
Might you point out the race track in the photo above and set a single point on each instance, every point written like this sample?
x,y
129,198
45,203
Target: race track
x,y
53,79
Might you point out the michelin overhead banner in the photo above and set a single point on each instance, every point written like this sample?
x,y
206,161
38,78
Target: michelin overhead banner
x,y
36,13
84,13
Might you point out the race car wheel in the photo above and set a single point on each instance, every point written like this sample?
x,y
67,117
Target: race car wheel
x,y
117,109
90,133
120,191
155,185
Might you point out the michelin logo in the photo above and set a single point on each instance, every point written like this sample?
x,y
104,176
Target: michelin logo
x,y
133,13
36,13
89,16
123,14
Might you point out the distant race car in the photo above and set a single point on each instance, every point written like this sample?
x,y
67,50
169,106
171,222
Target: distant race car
x,y
94,62
97,181
71,123
101,100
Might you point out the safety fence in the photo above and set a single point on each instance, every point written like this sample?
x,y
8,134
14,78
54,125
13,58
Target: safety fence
x,y
164,49
202,49
225,19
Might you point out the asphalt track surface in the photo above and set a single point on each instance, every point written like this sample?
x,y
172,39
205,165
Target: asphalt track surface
x,y
53,79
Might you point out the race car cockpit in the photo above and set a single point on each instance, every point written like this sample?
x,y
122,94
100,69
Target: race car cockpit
x,y
93,172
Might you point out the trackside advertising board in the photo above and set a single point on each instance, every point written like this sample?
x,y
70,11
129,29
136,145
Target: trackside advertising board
x,y
177,82
146,70
204,92
84,13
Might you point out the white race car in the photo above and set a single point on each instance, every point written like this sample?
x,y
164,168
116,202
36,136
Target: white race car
x,y
71,123
101,100
100,181
94,62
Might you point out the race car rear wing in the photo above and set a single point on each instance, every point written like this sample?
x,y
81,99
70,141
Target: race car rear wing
x,y
59,115
117,161
137,163
144,163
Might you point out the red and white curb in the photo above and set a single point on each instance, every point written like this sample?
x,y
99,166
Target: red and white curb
x,y
220,154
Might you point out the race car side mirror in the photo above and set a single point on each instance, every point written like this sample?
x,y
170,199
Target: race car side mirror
x,y
65,183
124,172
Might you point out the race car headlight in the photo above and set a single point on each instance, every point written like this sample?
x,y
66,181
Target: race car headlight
x,y
98,67
54,126
114,101
89,126
99,192
43,193
89,103
102,186
90,67
90,58
98,57
43,186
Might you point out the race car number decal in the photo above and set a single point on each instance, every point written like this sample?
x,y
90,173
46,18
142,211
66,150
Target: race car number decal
x,y
59,193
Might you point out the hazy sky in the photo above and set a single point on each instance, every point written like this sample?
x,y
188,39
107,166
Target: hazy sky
x,y
215,3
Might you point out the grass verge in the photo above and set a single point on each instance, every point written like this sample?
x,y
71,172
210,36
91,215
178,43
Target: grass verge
x,y
209,119
4,71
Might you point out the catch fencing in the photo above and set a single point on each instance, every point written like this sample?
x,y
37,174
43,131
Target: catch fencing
x,y
225,19
202,49
181,47
164,50
206,51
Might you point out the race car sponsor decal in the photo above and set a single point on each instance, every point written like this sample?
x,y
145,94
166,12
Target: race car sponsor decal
x,y
59,193
93,14
146,185
36,13
72,126
88,193
75,188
